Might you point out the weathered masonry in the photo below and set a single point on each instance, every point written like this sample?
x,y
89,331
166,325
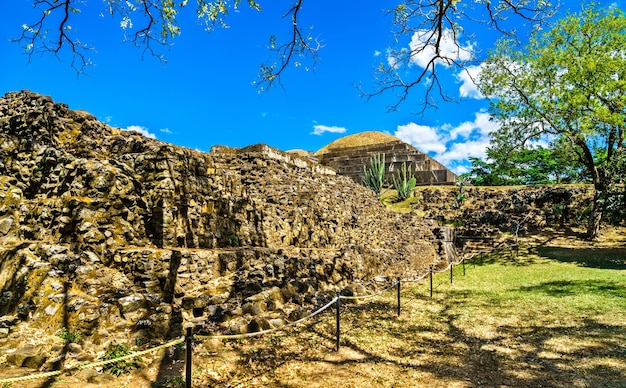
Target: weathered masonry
x,y
349,154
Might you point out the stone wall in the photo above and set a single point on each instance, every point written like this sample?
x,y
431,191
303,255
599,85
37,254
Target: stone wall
x,y
349,161
119,236
487,211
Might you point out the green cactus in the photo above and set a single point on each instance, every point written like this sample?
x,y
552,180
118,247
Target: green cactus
x,y
405,183
375,174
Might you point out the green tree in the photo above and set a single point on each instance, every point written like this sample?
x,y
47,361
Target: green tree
x,y
526,166
569,85
434,27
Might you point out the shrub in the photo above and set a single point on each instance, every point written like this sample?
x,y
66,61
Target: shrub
x,y
172,382
69,336
460,182
117,350
234,241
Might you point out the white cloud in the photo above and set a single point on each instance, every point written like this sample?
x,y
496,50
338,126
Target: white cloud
x,y
484,124
142,130
423,51
377,53
459,152
468,88
166,130
422,137
451,145
319,129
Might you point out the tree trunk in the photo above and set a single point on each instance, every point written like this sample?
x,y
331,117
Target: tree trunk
x,y
595,216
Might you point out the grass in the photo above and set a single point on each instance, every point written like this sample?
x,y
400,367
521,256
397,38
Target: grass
x,y
544,318
389,199
552,316
357,140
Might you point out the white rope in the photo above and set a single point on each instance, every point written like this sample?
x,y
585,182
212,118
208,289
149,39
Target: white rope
x,y
419,279
370,296
268,331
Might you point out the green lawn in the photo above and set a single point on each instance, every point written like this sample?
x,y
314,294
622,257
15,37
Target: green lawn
x,y
551,317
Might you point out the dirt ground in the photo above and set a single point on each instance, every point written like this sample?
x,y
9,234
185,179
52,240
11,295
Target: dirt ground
x,y
425,346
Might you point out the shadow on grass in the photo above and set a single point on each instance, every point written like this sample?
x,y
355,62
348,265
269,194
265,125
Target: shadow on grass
x,y
503,257
578,287
603,258
441,350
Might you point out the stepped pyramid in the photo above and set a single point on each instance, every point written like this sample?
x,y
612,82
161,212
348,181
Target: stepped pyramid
x,y
349,154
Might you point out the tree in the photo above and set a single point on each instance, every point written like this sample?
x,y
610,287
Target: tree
x,y
434,28
527,166
566,85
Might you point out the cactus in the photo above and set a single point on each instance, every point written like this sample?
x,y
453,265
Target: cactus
x,y
375,174
405,183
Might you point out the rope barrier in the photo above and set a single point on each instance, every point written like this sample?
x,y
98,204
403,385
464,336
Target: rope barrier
x,y
31,377
369,296
494,249
444,270
94,364
246,335
268,331
419,279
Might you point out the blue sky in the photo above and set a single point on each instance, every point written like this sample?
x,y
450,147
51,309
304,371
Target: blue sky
x,y
203,95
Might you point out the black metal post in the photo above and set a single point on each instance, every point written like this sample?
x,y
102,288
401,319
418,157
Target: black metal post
x,y
431,281
337,321
463,262
398,287
451,266
188,345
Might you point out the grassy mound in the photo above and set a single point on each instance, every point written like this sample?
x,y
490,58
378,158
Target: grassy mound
x,y
357,140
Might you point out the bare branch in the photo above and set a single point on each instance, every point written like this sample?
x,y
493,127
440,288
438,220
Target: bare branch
x,y
436,33
299,45
435,29
37,38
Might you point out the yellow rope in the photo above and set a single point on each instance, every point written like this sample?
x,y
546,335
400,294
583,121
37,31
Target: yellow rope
x,y
203,337
94,364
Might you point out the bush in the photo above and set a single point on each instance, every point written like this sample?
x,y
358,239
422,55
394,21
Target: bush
x,y
68,336
117,350
234,241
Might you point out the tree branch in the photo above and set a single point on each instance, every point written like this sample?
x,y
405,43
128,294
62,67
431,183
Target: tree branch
x,y
299,45
37,40
433,27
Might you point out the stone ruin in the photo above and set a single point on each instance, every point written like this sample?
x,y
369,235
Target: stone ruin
x,y
350,154
117,236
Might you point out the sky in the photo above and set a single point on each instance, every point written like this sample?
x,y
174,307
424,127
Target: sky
x,y
204,94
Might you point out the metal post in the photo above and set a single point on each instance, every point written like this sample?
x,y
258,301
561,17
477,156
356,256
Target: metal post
x,y
188,345
398,287
463,262
337,321
431,280
451,266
